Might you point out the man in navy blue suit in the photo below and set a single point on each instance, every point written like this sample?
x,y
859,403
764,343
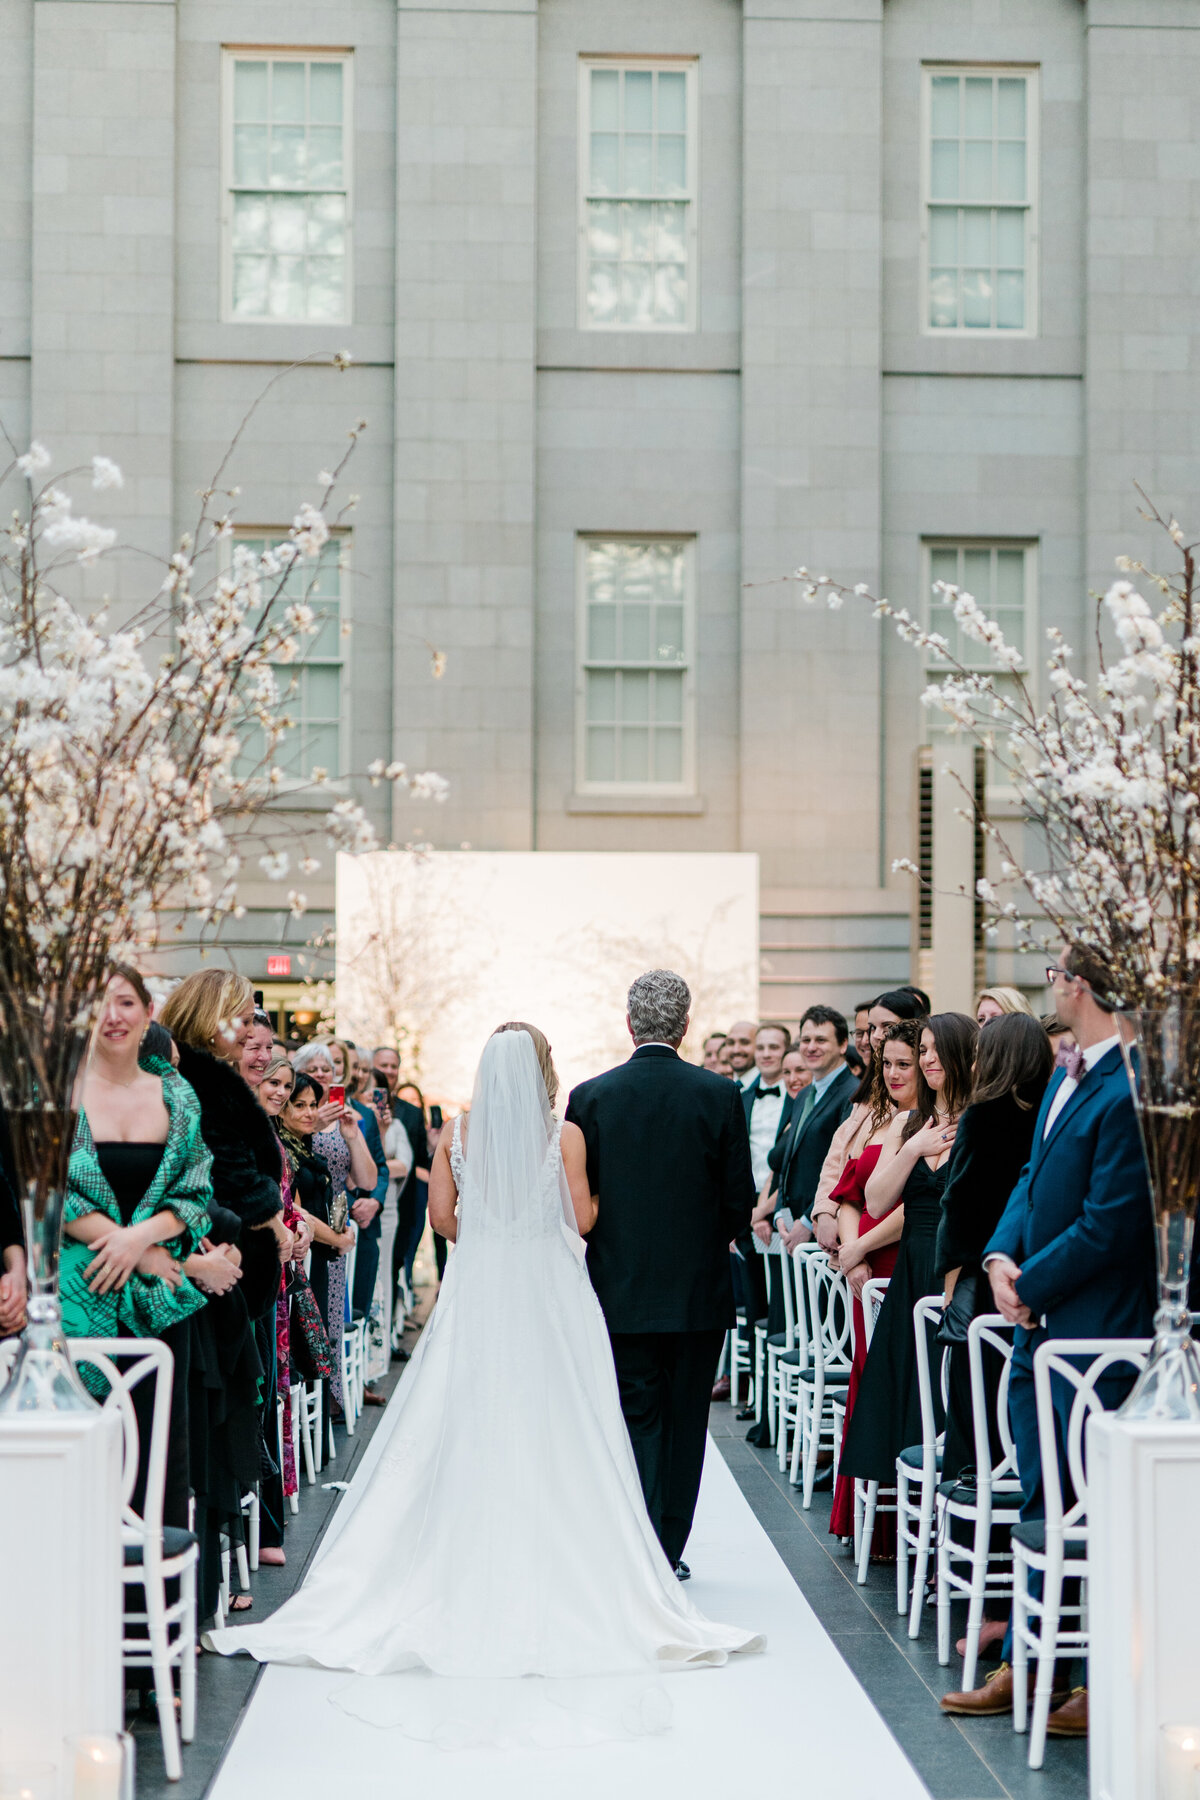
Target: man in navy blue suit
x,y
1073,1254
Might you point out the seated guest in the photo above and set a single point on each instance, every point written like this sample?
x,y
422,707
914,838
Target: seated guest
x,y
1073,1254
911,1170
992,1003
138,1192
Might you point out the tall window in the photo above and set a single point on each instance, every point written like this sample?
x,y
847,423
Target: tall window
x,y
287,181
1000,576
636,632
311,686
980,200
637,161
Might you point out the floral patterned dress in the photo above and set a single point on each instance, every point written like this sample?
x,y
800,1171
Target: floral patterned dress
x,y
283,1348
333,1147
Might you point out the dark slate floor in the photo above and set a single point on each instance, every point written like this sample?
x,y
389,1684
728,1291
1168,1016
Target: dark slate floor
x,y
957,1759
984,1760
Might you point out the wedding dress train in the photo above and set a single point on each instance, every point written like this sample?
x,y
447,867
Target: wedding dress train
x,y
501,1530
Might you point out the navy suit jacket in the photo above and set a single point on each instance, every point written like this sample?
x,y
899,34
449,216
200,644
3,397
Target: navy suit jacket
x,y
1079,1223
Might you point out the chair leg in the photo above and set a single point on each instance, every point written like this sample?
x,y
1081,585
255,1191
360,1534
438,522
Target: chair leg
x,y
160,1663
187,1654
921,1560
243,1569
798,1435
225,1576
902,1525
943,1592
256,1525
1047,1654
979,1568
868,1532
1020,1620
859,1497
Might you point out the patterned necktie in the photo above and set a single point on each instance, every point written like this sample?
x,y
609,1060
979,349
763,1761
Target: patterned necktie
x,y
1075,1063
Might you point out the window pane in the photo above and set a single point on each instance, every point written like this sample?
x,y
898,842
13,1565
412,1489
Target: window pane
x,y
325,640
605,100
635,696
944,106
635,754
976,236
250,221
602,632
635,635
638,234
289,222
604,292
1010,239
287,287
637,295
1010,300
670,295
943,566
672,166
668,633
943,235
322,691
943,170
977,576
638,100
668,756
601,754
1010,171
672,101
287,92
668,699
321,749
327,225
601,696
325,93
287,156
326,287
249,286
943,298
604,229
671,242
1010,121
976,297
637,177
977,106
605,173
250,155
249,90
325,156
977,171
1010,578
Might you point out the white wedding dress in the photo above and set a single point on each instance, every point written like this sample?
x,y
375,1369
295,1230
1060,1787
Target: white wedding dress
x,y
501,1530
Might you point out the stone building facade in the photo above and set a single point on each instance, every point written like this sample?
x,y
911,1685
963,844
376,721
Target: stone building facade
x,y
648,304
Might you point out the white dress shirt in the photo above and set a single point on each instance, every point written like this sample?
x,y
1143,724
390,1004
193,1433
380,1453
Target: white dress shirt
x,y
765,1113
1067,1087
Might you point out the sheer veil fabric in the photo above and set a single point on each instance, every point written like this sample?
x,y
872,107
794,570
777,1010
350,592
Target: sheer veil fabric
x,y
497,1527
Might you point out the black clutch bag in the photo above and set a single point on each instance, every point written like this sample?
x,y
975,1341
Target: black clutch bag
x,y
956,1319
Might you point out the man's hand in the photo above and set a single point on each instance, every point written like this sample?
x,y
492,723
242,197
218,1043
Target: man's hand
x,y
795,1234
364,1210
826,1228
763,1231
1004,1274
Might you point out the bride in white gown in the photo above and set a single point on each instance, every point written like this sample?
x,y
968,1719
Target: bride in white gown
x,y
501,1529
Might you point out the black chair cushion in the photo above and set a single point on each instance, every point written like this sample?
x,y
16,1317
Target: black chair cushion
x,y
175,1541
831,1381
1032,1534
914,1457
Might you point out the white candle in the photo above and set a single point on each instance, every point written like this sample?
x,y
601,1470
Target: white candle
x,y
1179,1761
28,1781
97,1768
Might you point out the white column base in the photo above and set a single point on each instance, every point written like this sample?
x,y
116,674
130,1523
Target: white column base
x,y
60,1640
1144,1597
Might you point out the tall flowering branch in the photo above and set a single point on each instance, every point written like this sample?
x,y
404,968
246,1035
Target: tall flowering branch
x,y
1107,775
134,758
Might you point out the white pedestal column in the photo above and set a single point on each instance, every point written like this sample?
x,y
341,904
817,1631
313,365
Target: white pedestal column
x,y
60,1614
1144,1598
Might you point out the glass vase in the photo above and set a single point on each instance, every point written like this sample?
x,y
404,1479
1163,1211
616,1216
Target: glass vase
x,y
1162,1059
43,1377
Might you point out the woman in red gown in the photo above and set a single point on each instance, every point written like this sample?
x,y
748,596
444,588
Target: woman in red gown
x,y
871,1255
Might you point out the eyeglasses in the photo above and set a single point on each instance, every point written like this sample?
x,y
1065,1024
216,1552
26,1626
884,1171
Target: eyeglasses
x,y
1054,970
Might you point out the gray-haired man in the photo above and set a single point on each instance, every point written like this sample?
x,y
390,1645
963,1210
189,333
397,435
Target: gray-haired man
x,y
668,1155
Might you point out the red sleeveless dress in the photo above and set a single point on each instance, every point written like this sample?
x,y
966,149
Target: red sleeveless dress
x,y
852,1188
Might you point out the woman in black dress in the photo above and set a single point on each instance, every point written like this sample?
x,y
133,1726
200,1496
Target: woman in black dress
x,y
912,1167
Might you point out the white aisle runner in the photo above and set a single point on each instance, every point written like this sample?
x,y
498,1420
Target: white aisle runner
x,y
793,1720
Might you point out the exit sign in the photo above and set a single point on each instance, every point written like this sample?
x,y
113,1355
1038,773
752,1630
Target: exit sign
x,y
279,965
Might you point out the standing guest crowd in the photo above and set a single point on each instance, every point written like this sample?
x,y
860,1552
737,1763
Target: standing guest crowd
x,y
991,1163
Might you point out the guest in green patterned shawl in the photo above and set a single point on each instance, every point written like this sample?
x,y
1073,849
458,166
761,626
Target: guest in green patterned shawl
x,y
137,1209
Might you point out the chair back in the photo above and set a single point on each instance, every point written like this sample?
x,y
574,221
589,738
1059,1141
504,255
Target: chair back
x,y
788,1290
830,1309
927,1313
1001,1476
142,1358
872,1300
1060,1358
805,1330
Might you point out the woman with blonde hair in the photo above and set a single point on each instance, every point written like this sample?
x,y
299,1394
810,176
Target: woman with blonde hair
x,y
992,1003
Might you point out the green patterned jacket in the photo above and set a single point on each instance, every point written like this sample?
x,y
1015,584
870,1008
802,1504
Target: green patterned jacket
x,y
146,1305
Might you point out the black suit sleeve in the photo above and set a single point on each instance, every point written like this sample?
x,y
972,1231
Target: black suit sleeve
x,y
739,1194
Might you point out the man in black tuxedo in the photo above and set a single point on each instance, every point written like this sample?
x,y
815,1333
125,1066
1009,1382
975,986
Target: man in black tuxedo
x,y
668,1157
818,1112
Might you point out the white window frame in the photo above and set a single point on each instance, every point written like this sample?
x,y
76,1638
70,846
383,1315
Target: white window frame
x,y
690,66
234,53
338,782
1031,73
982,661
687,543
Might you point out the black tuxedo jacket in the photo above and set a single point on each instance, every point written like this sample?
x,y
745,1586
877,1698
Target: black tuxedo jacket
x,y
668,1155
802,1152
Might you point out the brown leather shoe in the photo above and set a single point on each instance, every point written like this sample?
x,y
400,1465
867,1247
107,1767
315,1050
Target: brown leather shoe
x,y
994,1697
1071,1718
